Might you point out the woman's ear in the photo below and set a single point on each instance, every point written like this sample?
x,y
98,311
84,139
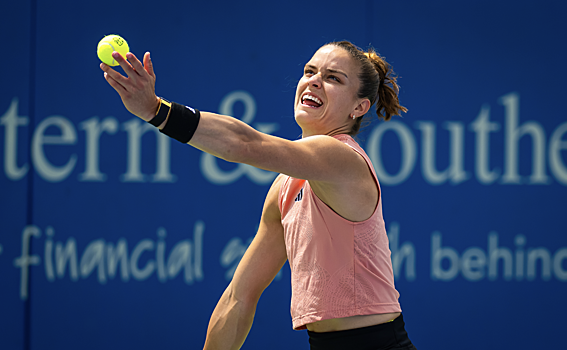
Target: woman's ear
x,y
362,107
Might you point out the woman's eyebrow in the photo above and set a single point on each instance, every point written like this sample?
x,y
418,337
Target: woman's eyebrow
x,y
337,72
328,69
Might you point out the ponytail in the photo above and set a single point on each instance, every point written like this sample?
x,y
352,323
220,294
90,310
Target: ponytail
x,y
387,104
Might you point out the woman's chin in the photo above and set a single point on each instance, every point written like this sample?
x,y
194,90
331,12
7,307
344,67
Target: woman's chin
x,y
303,119
302,114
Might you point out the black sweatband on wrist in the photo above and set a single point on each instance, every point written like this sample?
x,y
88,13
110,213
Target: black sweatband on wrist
x,y
163,112
182,122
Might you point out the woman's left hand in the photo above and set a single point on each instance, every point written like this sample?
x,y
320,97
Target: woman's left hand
x,y
138,89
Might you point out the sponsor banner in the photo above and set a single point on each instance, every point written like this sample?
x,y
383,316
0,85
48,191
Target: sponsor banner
x,y
113,235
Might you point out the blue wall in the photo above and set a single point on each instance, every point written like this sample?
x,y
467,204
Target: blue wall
x,y
112,236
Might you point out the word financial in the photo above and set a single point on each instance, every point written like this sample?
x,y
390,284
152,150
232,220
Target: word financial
x,y
105,258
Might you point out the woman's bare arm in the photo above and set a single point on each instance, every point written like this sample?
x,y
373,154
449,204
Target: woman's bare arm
x,y
233,316
316,158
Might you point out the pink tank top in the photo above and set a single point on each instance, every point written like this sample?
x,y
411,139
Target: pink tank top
x,y
339,268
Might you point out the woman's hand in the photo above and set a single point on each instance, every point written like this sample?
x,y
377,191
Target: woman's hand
x,y
138,89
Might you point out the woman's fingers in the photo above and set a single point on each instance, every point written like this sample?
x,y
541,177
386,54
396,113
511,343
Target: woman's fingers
x,y
116,85
134,81
137,90
148,65
117,77
136,64
128,69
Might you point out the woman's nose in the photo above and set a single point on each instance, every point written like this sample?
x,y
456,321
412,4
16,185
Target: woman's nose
x,y
315,80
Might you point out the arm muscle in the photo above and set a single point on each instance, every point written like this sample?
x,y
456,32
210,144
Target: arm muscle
x,y
317,158
232,318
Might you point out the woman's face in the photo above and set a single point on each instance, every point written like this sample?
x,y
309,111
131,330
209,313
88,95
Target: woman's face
x,y
326,96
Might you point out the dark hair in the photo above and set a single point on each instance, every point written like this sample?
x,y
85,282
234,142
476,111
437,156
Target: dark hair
x,y
377,82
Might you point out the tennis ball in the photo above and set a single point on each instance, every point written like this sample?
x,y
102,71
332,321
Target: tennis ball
x,y
109,44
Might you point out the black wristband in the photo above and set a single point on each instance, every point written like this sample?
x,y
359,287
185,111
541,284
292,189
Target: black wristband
x,y
163,112
182,122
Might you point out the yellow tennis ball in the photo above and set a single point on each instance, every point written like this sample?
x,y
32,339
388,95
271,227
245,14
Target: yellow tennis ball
x,y
109,44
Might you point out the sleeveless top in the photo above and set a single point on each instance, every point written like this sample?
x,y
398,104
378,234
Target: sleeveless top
x,y
339,268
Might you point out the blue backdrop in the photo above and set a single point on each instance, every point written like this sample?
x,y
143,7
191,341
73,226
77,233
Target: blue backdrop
x,y
112,236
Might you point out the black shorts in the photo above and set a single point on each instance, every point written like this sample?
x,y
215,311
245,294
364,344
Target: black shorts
x,y
390,335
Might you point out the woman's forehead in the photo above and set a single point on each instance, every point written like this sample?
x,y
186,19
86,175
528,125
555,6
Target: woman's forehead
x,y
332,56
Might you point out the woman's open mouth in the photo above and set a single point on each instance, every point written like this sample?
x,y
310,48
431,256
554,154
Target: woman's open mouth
x,y
310,100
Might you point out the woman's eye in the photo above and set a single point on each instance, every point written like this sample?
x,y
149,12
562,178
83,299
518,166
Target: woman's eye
x,y
332,77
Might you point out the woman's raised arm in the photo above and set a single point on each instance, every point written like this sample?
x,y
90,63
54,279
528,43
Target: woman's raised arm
x,y
316,158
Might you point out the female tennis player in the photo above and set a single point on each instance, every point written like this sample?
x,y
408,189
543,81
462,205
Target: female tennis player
x,y
323,213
